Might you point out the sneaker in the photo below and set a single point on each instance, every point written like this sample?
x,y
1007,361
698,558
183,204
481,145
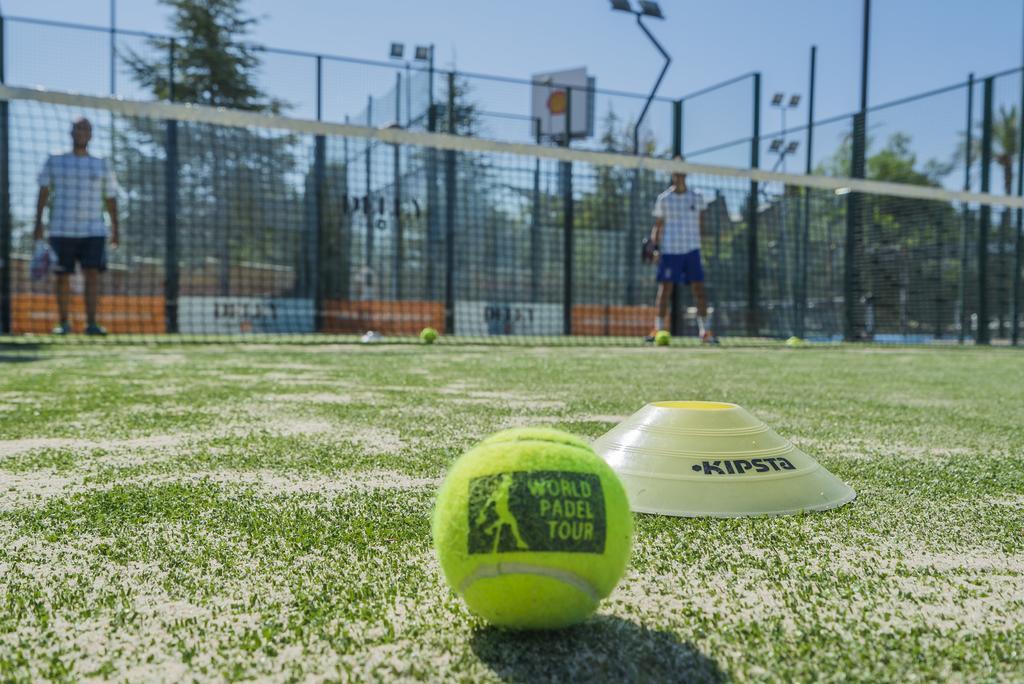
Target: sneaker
x,y
708,338
62,329
650,338
96,329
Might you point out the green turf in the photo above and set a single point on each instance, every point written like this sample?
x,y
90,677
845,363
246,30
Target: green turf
x,y
261,512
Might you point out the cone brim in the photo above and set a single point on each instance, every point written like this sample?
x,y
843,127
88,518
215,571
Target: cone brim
x,y
709,459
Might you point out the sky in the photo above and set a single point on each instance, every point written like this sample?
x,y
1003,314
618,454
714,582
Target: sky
x,y
916,45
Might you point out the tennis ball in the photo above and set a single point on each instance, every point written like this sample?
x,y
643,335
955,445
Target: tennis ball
x,y
428,335
532,529
662,338
794,341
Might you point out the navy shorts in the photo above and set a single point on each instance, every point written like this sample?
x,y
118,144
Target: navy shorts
x,y
680,268
90,252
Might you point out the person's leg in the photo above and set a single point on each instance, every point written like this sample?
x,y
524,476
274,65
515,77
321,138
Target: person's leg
x,y
701,301
92,294
64,297
94,262
661,304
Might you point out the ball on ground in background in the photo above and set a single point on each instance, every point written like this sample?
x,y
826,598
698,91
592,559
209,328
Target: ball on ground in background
x,y
662,338
532,529
428,335
794,341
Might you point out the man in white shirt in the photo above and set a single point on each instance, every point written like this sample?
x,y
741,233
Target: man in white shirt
x,y
80,185
678,227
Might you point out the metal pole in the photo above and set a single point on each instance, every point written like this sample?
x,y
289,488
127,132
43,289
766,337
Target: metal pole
x,y
368,206
654,90
451,197
5,197
676,320
1019,247
320,88
805,237
535,234
865,45
753,294
171,171
854,201
985,219
568,220
965,226
113,47
396,276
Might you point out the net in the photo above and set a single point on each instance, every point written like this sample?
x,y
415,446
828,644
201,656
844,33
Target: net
x,y
238,223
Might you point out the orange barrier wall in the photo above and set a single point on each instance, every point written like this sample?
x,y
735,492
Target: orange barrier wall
x,y
124,314
609,320
395,318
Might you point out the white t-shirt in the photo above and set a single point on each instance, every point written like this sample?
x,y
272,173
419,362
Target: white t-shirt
x,y
78,186
681,211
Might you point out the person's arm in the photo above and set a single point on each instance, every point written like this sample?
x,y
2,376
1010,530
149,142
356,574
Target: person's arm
x,y
110,195
703,223
44,195
112,210
658,230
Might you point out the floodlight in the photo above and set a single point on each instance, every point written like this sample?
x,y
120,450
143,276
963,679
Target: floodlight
x,y
794,101
777,99
622,6
397,50
791,147
422,53
650,9
776,145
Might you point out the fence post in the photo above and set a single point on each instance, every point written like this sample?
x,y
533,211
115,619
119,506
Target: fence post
x,y
5,197
985,218
368,205
753,290
432,198
567,222
449,210
965,227
319,219
1019,247
805,234
535,232
854,227
676,321
171,170
397,275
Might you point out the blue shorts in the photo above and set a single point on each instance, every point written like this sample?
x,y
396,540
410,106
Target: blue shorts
x,y
90,252
680,268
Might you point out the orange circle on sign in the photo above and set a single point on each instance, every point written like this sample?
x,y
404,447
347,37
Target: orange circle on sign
x,y
557,102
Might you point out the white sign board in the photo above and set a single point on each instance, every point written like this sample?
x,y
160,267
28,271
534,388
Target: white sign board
x,y
227,315
507,318
552,94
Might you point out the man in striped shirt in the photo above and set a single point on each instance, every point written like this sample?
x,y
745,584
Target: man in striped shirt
x,y
80,185
678,227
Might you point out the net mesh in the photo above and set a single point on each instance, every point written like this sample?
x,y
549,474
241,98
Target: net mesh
x,y
235,223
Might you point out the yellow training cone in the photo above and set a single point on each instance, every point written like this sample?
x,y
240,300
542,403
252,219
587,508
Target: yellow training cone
x,y
703,458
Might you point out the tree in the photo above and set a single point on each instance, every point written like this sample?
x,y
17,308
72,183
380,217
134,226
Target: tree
x,y
213,63
239,199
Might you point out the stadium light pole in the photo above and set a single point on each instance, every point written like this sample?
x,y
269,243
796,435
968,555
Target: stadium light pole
x,y
653,10
781,146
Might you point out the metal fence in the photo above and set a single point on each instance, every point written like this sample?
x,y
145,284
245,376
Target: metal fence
x,y
962,137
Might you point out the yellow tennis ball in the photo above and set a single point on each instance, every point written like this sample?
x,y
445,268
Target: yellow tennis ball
x,y
662,338
532,529
428,335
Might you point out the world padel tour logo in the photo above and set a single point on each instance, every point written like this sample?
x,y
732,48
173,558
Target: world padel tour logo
x,y
536,511
742,465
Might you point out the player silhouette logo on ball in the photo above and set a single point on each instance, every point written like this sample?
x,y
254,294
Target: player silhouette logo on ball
x,y
499,498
